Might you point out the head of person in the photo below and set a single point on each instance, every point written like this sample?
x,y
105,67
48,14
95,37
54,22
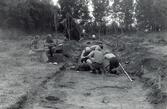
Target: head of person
x,y
36,37
98,48
49,37
101,46
88,49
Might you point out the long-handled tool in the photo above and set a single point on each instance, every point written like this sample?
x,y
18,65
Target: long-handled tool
x,y
120,64
125,72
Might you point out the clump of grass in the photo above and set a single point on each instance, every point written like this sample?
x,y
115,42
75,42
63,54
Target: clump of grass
x,y
157,96
12,62
4,48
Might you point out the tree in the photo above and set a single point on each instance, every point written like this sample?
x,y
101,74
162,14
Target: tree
x,y
77,8
151,14
101,9
123,10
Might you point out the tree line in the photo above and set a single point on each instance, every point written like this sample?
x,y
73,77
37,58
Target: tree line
x,y
109,16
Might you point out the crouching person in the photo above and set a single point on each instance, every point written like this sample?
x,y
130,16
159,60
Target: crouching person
x,y
85,62
84,55
97,57
113,62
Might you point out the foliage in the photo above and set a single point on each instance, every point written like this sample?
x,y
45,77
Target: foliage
x,y
39,15
124,10
151,14
77,8
101,8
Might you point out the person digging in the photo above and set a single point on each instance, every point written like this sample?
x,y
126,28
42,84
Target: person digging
x,y
113,62
84,54
97,57
85,62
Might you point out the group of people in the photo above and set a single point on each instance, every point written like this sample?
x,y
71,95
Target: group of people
x,y
49,45
96,57
99,59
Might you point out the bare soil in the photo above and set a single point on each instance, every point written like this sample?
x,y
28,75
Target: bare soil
x,y
27,83
83,90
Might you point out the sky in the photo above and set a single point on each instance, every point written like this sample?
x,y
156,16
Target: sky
x,y
55,2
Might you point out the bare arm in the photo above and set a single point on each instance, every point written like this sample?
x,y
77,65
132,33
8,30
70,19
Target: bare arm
x,y
82,54
91,54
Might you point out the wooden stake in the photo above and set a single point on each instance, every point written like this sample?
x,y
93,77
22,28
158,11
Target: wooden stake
x,y
159,78
159,81
126,72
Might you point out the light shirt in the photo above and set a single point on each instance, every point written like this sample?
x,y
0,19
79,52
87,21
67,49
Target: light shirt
x,y
93,47
109,56
96,56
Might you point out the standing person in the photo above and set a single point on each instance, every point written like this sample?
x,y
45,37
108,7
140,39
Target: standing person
x,y
35,42
113,61
97,57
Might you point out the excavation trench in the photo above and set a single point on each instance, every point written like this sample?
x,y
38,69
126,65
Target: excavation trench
x,y
78,90
75,90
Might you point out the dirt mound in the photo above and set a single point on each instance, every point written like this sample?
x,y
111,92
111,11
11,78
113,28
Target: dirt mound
x,y
59,58
72,50
151,64
157,96
136,65
69,52
158,40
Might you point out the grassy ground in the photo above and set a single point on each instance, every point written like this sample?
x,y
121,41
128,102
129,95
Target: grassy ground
x,y
140,54
18,72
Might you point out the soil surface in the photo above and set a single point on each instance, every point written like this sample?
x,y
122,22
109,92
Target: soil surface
x,y
83,90
26,83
